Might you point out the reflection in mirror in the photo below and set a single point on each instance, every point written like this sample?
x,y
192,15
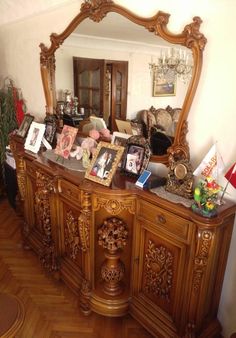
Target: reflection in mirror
x,y
118,39
144,90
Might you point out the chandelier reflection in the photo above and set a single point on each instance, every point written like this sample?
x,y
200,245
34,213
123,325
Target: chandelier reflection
x,y
171,64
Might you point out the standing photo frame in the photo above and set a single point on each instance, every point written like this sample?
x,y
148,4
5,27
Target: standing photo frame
x,y
25,125
136,157
119,139
50,128
104,163
34,137
65,141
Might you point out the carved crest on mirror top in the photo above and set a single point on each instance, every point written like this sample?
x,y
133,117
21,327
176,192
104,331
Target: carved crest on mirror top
x,y
96,10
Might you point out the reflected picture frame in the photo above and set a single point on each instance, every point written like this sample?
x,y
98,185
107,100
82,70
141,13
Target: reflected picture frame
x,y
25,125
161,88
104,163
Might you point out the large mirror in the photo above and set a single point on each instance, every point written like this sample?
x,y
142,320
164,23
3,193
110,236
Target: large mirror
x,y
138,41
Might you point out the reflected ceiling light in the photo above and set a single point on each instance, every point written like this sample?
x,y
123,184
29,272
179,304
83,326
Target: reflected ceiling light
x,y
171,64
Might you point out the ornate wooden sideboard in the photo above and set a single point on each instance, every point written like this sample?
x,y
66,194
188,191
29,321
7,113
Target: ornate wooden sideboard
x,y
125,250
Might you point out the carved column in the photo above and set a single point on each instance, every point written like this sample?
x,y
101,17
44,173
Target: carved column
x,y
84,221
45,187
112,236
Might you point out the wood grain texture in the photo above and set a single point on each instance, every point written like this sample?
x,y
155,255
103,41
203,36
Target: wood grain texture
x,y
51,309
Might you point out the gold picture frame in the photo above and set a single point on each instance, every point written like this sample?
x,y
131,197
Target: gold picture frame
x,y
104,163
161,88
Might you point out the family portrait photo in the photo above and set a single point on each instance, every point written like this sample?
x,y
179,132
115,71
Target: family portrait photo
x,y
104,163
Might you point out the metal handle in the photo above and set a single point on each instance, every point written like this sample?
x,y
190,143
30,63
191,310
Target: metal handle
x,y
161,218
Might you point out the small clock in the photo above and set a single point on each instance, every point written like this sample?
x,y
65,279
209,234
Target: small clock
x,y
180,171
180,178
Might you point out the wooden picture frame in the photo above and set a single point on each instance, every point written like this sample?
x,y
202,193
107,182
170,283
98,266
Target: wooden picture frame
x,y
104,163
25,125
124,126
136,157
119,139
50,129
34,137
161,88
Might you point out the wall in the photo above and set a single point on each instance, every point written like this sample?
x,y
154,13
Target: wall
x,y
212,115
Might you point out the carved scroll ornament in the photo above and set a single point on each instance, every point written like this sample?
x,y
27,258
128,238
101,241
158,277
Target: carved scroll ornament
x,y
44,187
114,206
72,238
84,221
158,271
21,178
204,239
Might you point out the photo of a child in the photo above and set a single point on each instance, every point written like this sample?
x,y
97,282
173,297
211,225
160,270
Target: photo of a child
x,y
134,159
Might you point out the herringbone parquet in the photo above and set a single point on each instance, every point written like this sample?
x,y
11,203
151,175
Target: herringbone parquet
x,y
51,310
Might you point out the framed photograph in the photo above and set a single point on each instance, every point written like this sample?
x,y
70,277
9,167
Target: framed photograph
x,y
136,156
161,88
35,136
50,128
65,141
24,127
119,139
136,128
104,163
124,127
98,122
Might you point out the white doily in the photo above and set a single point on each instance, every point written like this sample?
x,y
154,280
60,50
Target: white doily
x,y
161,192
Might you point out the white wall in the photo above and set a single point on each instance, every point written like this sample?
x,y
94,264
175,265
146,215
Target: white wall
x,y
212,116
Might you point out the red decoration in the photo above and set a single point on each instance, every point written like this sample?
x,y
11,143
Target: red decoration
x,y
231,175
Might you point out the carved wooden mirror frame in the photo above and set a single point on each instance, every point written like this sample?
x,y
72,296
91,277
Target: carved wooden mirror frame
x,y
96,10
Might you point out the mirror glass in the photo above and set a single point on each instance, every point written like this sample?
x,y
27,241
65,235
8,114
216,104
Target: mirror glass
x,y
117,38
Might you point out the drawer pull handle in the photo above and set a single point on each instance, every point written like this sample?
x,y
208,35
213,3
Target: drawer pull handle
x,y
161,219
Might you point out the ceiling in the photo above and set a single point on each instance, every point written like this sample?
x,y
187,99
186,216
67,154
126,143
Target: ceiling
x,y
119,27
15,10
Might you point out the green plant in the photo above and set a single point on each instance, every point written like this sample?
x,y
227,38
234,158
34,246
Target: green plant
x,y
7,121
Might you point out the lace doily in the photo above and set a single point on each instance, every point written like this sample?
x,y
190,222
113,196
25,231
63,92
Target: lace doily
x,y
161,192
70,163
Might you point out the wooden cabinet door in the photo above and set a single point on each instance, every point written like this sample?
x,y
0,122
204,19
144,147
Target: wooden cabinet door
x,y
162,264
88,84
101,87
119,83
73,234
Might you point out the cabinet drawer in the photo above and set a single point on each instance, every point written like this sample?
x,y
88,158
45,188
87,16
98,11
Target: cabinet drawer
x,y
164,219
70,191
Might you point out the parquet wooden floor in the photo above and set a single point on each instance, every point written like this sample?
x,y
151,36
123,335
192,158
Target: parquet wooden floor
x,y
51,310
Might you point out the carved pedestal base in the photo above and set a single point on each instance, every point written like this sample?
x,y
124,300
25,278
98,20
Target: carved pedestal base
x,y
112,237
112,273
